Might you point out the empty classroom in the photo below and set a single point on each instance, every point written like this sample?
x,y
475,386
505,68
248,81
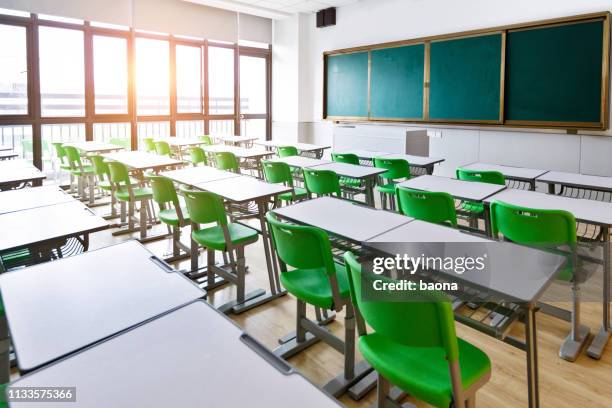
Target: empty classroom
x,y
299,203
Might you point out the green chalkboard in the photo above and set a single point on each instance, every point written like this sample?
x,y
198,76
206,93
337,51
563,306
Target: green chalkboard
x,y
347,85
553,74
396,88
465,76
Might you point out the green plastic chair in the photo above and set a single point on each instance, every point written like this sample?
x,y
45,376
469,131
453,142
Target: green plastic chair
x,y
162,148
127,192
435,207
286,151
349,158
101,171
83,173
170,211
549,229
280,173
315,280
396,169
197,155
474,209
227,161
207,208
62,161
149,144
415,347
206,140
322,182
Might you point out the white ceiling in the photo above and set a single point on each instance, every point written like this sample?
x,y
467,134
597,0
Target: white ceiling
x,y
274,8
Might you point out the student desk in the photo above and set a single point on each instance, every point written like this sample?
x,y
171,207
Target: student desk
x,y
92,147
459,189
247,141
191,176
4,148
140,161
343,218
251,158
598,184
57,308
239,192
8,155
515,273
305,149
150,366
19,200
44,226
179,144
592,212
518,174
300,161
419,162
15,174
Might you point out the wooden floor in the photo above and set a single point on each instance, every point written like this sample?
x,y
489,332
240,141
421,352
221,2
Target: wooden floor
x,y
585,383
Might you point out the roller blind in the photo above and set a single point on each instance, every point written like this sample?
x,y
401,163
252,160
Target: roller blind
x,y
182,18
253,28
106,11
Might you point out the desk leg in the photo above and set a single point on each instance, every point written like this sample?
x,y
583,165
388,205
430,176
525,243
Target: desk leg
x,y
600,340
551,188
487,220
369,193
531,352
275,287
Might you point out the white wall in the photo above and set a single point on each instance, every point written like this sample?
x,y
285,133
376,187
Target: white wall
x,y
373,21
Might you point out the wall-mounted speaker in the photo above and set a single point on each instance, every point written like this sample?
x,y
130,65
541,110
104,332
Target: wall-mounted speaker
x,y
326,18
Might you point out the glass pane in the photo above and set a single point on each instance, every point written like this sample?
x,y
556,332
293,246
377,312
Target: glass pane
x,y
253,85
220,81
19,138
152,77
189,129
111,26
62,72
188,73
10,12
73,132
156,130
221,127
110,74
119,134
13,71
60,19
253,44
253,127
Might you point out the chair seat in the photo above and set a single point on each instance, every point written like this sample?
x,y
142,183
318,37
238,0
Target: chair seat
x,y
298,194
213,238
423,372
105,185
312,285
472,207
140,193
170,217
87,170
388,188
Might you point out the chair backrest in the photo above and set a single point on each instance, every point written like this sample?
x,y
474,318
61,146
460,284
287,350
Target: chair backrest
x,y
163,189
149,145
205,207
436,207
531,226
322,182
426,320
60,153
162,148
73,156
227,161
349,158
100,167
277,172
119,173
396,168
286,151
491,177
206,140
301,246
197,155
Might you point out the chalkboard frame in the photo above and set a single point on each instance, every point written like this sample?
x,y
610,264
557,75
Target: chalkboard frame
x,y
602,124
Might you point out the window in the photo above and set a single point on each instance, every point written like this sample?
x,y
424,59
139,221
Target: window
x,y
16,13
253,127
69,132
189,129
253,84
110,75
221,127
188,73
220,81
152,77
19,137
156,130
119,134
13,70
62,72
